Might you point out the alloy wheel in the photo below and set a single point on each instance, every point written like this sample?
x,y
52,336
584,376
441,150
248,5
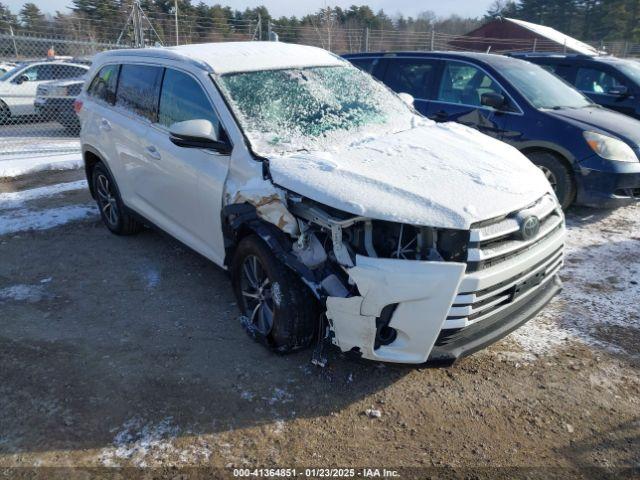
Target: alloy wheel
x,y
257,294
107,200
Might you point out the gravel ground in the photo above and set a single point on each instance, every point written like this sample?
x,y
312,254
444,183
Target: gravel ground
x,y
128,352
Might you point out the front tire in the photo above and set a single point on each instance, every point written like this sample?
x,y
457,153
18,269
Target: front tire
x,y
112,210
558,175
276,304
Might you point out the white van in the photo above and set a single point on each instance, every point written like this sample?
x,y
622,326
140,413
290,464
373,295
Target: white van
x,y
338,210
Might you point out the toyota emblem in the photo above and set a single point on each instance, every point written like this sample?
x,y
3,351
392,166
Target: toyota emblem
x,y
529,227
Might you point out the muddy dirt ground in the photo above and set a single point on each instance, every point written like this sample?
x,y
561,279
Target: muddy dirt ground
x,y
128,352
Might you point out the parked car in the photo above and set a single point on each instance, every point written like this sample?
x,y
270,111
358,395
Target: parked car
x,y
18,87
54,101
588,153
5,67
324,194
608,81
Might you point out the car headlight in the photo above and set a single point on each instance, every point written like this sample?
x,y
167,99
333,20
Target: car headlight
x,y
610,148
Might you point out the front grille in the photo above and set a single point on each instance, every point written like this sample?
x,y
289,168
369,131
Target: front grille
x,y
496,241
471,307
523,266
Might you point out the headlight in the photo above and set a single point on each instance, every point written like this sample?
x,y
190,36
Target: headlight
x,y
610,148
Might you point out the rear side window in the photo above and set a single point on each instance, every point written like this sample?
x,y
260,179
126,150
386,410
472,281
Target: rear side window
x,y
182,98
365,64
103,85
138,89
411,76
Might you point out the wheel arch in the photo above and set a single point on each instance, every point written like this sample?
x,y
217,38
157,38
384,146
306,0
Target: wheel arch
x,y
91,157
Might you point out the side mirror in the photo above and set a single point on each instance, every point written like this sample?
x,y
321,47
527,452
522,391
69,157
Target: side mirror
x,y
618,91
197,134
21,79
494,100
407,98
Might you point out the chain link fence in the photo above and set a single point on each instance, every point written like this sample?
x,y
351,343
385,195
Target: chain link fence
x,y
40,76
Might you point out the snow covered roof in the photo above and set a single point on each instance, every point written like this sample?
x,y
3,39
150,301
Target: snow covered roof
x,y
227,57
556,36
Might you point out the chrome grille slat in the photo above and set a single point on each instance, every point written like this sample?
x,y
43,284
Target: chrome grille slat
x,y
541,209
547,278
470,298
479,254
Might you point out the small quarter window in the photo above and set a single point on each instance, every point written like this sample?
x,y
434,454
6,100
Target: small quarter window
x,y
138,89
103,85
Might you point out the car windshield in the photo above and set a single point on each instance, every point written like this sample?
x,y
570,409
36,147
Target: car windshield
x,y
315,108
631,69
541,88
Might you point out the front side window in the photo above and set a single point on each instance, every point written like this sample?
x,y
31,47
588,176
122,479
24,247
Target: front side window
x,y
592,80
365,64
465,84
32,74
410,76
316,108
138,89
182,98
103,85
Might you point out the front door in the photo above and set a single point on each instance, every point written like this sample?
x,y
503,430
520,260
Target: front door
x,y
458,99
185,184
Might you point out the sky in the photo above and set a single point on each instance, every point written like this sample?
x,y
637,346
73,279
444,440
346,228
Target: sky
x,y
464,8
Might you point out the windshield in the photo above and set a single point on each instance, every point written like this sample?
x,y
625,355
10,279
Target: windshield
x,y
314,108
541,88
631,69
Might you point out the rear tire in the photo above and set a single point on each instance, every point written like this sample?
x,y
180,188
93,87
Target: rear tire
x,y
276,304
112,210
558,175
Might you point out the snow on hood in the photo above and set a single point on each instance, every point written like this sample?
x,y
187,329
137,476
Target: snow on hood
x,y
439,175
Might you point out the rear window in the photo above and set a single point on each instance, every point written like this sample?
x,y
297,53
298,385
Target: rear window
x,y
138,89
103,85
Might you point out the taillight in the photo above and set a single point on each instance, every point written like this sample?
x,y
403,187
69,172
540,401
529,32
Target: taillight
x,y
77,105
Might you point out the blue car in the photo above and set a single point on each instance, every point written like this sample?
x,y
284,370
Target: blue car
x,y
589,154
608,81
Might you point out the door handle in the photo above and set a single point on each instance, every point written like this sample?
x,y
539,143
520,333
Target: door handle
x,y
152,152
105,125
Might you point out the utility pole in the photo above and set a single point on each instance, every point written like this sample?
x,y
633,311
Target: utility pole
x,y
176,17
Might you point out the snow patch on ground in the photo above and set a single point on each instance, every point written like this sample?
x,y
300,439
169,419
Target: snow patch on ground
x,y
22,293
599,303
11,200
147,444
17,165
14,221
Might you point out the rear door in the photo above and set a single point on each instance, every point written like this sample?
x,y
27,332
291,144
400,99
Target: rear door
x,y
135,111
184,186
458,99
415,76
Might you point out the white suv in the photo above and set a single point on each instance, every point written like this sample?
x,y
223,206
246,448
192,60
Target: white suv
x,y
339,211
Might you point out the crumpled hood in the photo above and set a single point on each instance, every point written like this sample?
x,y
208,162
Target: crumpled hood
x,y
439,175
602,119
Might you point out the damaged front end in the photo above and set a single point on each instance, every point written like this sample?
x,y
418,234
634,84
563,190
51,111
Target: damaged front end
x,y
386,287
